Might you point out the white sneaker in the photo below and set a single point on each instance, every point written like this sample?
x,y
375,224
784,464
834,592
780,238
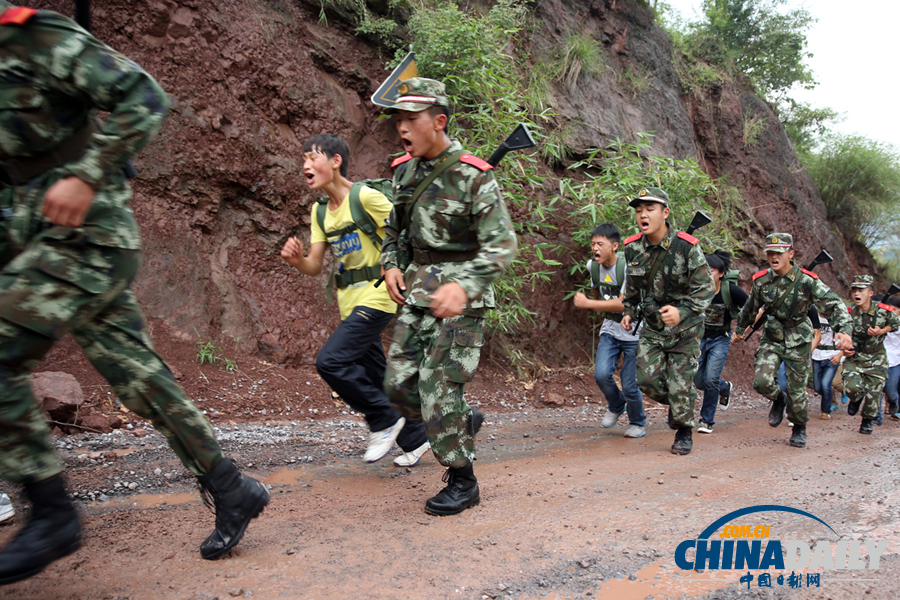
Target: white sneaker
x,y
610,419
408,459
6,508
381,442
635,431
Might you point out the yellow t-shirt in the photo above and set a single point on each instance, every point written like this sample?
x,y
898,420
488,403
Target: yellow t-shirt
x,y
355,250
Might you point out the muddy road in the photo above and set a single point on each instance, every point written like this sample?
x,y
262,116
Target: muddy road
x,y
568,510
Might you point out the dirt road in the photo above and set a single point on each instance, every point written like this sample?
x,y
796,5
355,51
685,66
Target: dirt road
x,y
569,510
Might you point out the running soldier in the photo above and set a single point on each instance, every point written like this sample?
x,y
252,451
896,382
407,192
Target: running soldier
x,y
670,286
69,250
787,293
866,367
448,237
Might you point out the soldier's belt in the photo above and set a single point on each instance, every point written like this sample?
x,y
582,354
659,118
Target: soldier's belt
x,y
430,257
352,276
19,171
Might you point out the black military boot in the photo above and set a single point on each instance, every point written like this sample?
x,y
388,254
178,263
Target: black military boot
x,y
776,413
866,426
53,531
475,421
798,436
236,499
853,406
461,493
683,441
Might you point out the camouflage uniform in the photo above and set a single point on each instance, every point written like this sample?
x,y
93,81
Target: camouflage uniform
x,y
866,371
57,280
667,356
788,332
459,231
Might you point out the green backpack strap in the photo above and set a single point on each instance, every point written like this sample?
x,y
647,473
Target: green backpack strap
x,y
363,219
320,213
620,269
595,275
730,277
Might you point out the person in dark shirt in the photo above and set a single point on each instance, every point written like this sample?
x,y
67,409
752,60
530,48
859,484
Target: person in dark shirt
x,y
716,342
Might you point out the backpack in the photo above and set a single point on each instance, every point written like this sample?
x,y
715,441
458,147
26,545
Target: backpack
x,y
730,277
361,219
613,289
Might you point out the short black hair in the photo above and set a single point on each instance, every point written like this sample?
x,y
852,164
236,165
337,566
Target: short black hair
x,y
436,110
720,260
329,145
609,231
894,301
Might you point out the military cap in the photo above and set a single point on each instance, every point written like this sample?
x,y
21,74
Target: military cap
x,y
862,281
650,194
417,94
779,242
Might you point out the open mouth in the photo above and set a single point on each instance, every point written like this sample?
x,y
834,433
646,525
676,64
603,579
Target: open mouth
x,y
310,178
597,257
644,225
407,145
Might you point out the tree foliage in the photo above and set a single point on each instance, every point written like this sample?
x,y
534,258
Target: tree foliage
x,y
767,44
859,180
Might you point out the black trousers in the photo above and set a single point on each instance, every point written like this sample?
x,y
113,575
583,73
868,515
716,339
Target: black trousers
x,y
352,362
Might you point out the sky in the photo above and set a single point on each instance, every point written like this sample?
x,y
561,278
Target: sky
x,y
854,60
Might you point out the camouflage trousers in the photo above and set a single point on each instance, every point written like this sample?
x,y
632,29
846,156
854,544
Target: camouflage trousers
x,y
60,284
864,378
796,360
429,363
666,365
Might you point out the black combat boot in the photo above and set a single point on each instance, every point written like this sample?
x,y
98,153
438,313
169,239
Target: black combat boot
x,y
53,531
236,499
475,421
776,413
853,406
798,436
866,426
461,493
683,441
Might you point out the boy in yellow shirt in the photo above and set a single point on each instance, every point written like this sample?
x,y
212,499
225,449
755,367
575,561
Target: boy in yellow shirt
x,y
352,361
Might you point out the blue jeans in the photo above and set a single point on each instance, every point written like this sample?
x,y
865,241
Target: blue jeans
x,y
823,376
713,352
629,397
890,387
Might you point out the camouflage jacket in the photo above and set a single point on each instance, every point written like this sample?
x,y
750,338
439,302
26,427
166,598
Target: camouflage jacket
x,y
683,280
461,211
54,76
788,324
878,315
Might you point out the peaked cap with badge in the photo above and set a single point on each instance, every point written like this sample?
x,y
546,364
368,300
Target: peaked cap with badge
x,y
418,94
861,281
650,194
779,242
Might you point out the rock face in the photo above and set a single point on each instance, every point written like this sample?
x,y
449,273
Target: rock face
x,y
222,188
58,394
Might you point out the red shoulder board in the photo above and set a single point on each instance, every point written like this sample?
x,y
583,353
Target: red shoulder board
x,y
850,309
17,15
810,273
633,238
475,162
401,159
886,307
759,274
688,237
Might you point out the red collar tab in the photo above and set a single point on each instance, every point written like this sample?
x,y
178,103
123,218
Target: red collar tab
x,y
688,237
633,238
850,309
886,307
810,273
759,274
17,15
475,162
401,159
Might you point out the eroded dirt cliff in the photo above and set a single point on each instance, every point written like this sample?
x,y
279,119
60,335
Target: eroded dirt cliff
x,y
222,187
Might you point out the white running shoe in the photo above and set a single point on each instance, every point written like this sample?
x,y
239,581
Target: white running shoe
x,y
635,431
6,508
408,459
610,419
381,442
